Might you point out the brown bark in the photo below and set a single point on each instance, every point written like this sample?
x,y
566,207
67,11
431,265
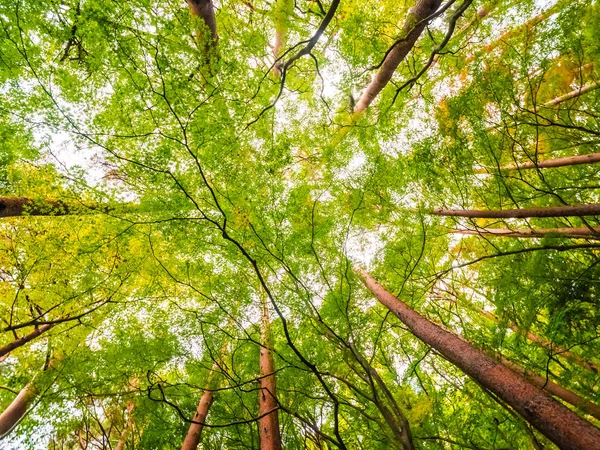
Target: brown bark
x,y
411,30
557,162
206,32
281,29
559,424
556,390
17,409
580,232
270,438
551,211
573,94
194,434
128,427
19,342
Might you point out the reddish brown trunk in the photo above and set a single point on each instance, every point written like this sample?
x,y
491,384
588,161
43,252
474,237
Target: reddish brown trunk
x,y
127,428
573,94
556,390
194,434
281,29
558,162
582,232
206,33
412,29
17,409
270,438
24,339
559,424
552,211
18,206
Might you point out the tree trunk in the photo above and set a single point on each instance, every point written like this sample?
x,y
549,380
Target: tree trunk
x,y
206,30
573,94
283,10
556,390
558,162
194,434
20,206
17,409
24,339
411,30
127,428
581,232
551,211
270,439
559,424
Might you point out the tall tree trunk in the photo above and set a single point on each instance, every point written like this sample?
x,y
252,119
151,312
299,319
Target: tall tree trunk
x,y
127,428
556,390
270,438
19,342
17,409
411,30
551,211
576,233
13,414
282,14
19,206
573,94
394,417
194,434
206,29
557,162
559,424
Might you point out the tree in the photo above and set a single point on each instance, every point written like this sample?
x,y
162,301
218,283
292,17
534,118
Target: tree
x,y
185,188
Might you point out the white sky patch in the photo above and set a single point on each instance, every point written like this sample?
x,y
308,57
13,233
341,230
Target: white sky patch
x,y
363,246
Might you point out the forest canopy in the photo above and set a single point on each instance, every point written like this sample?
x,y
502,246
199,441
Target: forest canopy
x,y
300,224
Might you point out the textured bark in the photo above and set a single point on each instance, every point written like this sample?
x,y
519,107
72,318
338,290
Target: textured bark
x,y
556,390
24,339
557,162
559,424
573,94
581,232
411,30
552,211
270,438
17,409
206,33
194,434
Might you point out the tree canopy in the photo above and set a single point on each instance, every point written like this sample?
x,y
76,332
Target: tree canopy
x,y
190,192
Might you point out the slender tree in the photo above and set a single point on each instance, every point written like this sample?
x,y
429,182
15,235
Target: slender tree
x,y
557,162
414,25
573,232
270,438
551,211
555,421
19,407
283,10
19,342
